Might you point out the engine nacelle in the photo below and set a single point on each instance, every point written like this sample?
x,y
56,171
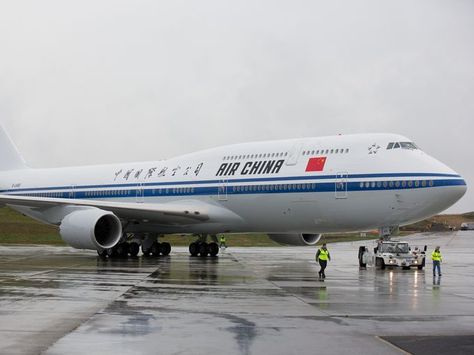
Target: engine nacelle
x,y
91,228
300,239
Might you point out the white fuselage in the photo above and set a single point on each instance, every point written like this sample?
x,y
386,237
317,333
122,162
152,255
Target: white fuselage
x,y
311,185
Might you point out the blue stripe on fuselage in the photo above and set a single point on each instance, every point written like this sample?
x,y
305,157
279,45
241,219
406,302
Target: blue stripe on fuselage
x,y
230,181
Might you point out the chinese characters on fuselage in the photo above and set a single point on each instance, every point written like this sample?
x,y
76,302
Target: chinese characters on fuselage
x,y
150,172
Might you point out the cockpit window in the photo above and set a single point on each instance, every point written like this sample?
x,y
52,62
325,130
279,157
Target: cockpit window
x,y
403,145
408,145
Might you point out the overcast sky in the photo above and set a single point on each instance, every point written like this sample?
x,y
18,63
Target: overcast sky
x,y
99,81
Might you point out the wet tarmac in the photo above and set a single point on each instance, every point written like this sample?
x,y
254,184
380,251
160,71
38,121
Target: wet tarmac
x,y
247,301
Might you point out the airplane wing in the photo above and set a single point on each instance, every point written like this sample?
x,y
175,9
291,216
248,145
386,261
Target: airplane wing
x,y
172,213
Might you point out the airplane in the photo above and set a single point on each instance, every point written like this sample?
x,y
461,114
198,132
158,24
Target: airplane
x,y
294,190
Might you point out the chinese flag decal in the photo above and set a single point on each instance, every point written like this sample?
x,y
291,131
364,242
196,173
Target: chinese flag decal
x,y
316,164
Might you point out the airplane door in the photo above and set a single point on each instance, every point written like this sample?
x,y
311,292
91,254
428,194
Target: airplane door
x,y
341,185
72,191
222,190
140,196
294,154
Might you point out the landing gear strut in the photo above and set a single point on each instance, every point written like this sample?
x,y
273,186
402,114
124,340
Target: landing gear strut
x,y
202,248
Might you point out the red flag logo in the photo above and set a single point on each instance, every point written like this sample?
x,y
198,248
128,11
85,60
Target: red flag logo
x,y
316,164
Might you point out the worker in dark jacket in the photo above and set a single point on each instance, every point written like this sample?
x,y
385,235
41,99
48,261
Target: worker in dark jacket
x,y
322,256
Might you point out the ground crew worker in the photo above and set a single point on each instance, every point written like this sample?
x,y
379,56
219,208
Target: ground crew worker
x,y
322,256
436,257
379,244
222,240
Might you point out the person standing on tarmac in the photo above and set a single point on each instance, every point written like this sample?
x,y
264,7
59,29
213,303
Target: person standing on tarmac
x,y
322,256
222,242
436,257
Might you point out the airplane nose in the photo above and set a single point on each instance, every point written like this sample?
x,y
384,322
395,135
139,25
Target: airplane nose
x,y
463,186
453,184
458,188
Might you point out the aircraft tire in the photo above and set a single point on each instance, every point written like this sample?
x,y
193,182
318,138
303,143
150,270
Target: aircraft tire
x,y
111,252
156,249
165,248
122,250
213,249
134,249
145,251
203,249
194,249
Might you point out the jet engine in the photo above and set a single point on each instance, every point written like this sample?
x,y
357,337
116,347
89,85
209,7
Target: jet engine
x,y
301,239
91,228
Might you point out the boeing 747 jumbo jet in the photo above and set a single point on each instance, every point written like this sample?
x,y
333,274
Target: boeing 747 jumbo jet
x,y
294,190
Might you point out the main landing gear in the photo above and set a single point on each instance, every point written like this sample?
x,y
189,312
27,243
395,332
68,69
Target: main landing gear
x,y
130,246
156,249
202,248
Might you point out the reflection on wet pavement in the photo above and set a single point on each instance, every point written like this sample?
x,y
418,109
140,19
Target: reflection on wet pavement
x,y
247,301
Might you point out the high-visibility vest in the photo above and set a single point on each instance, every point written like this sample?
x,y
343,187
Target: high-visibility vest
x,y
323,254
222,239
436,256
